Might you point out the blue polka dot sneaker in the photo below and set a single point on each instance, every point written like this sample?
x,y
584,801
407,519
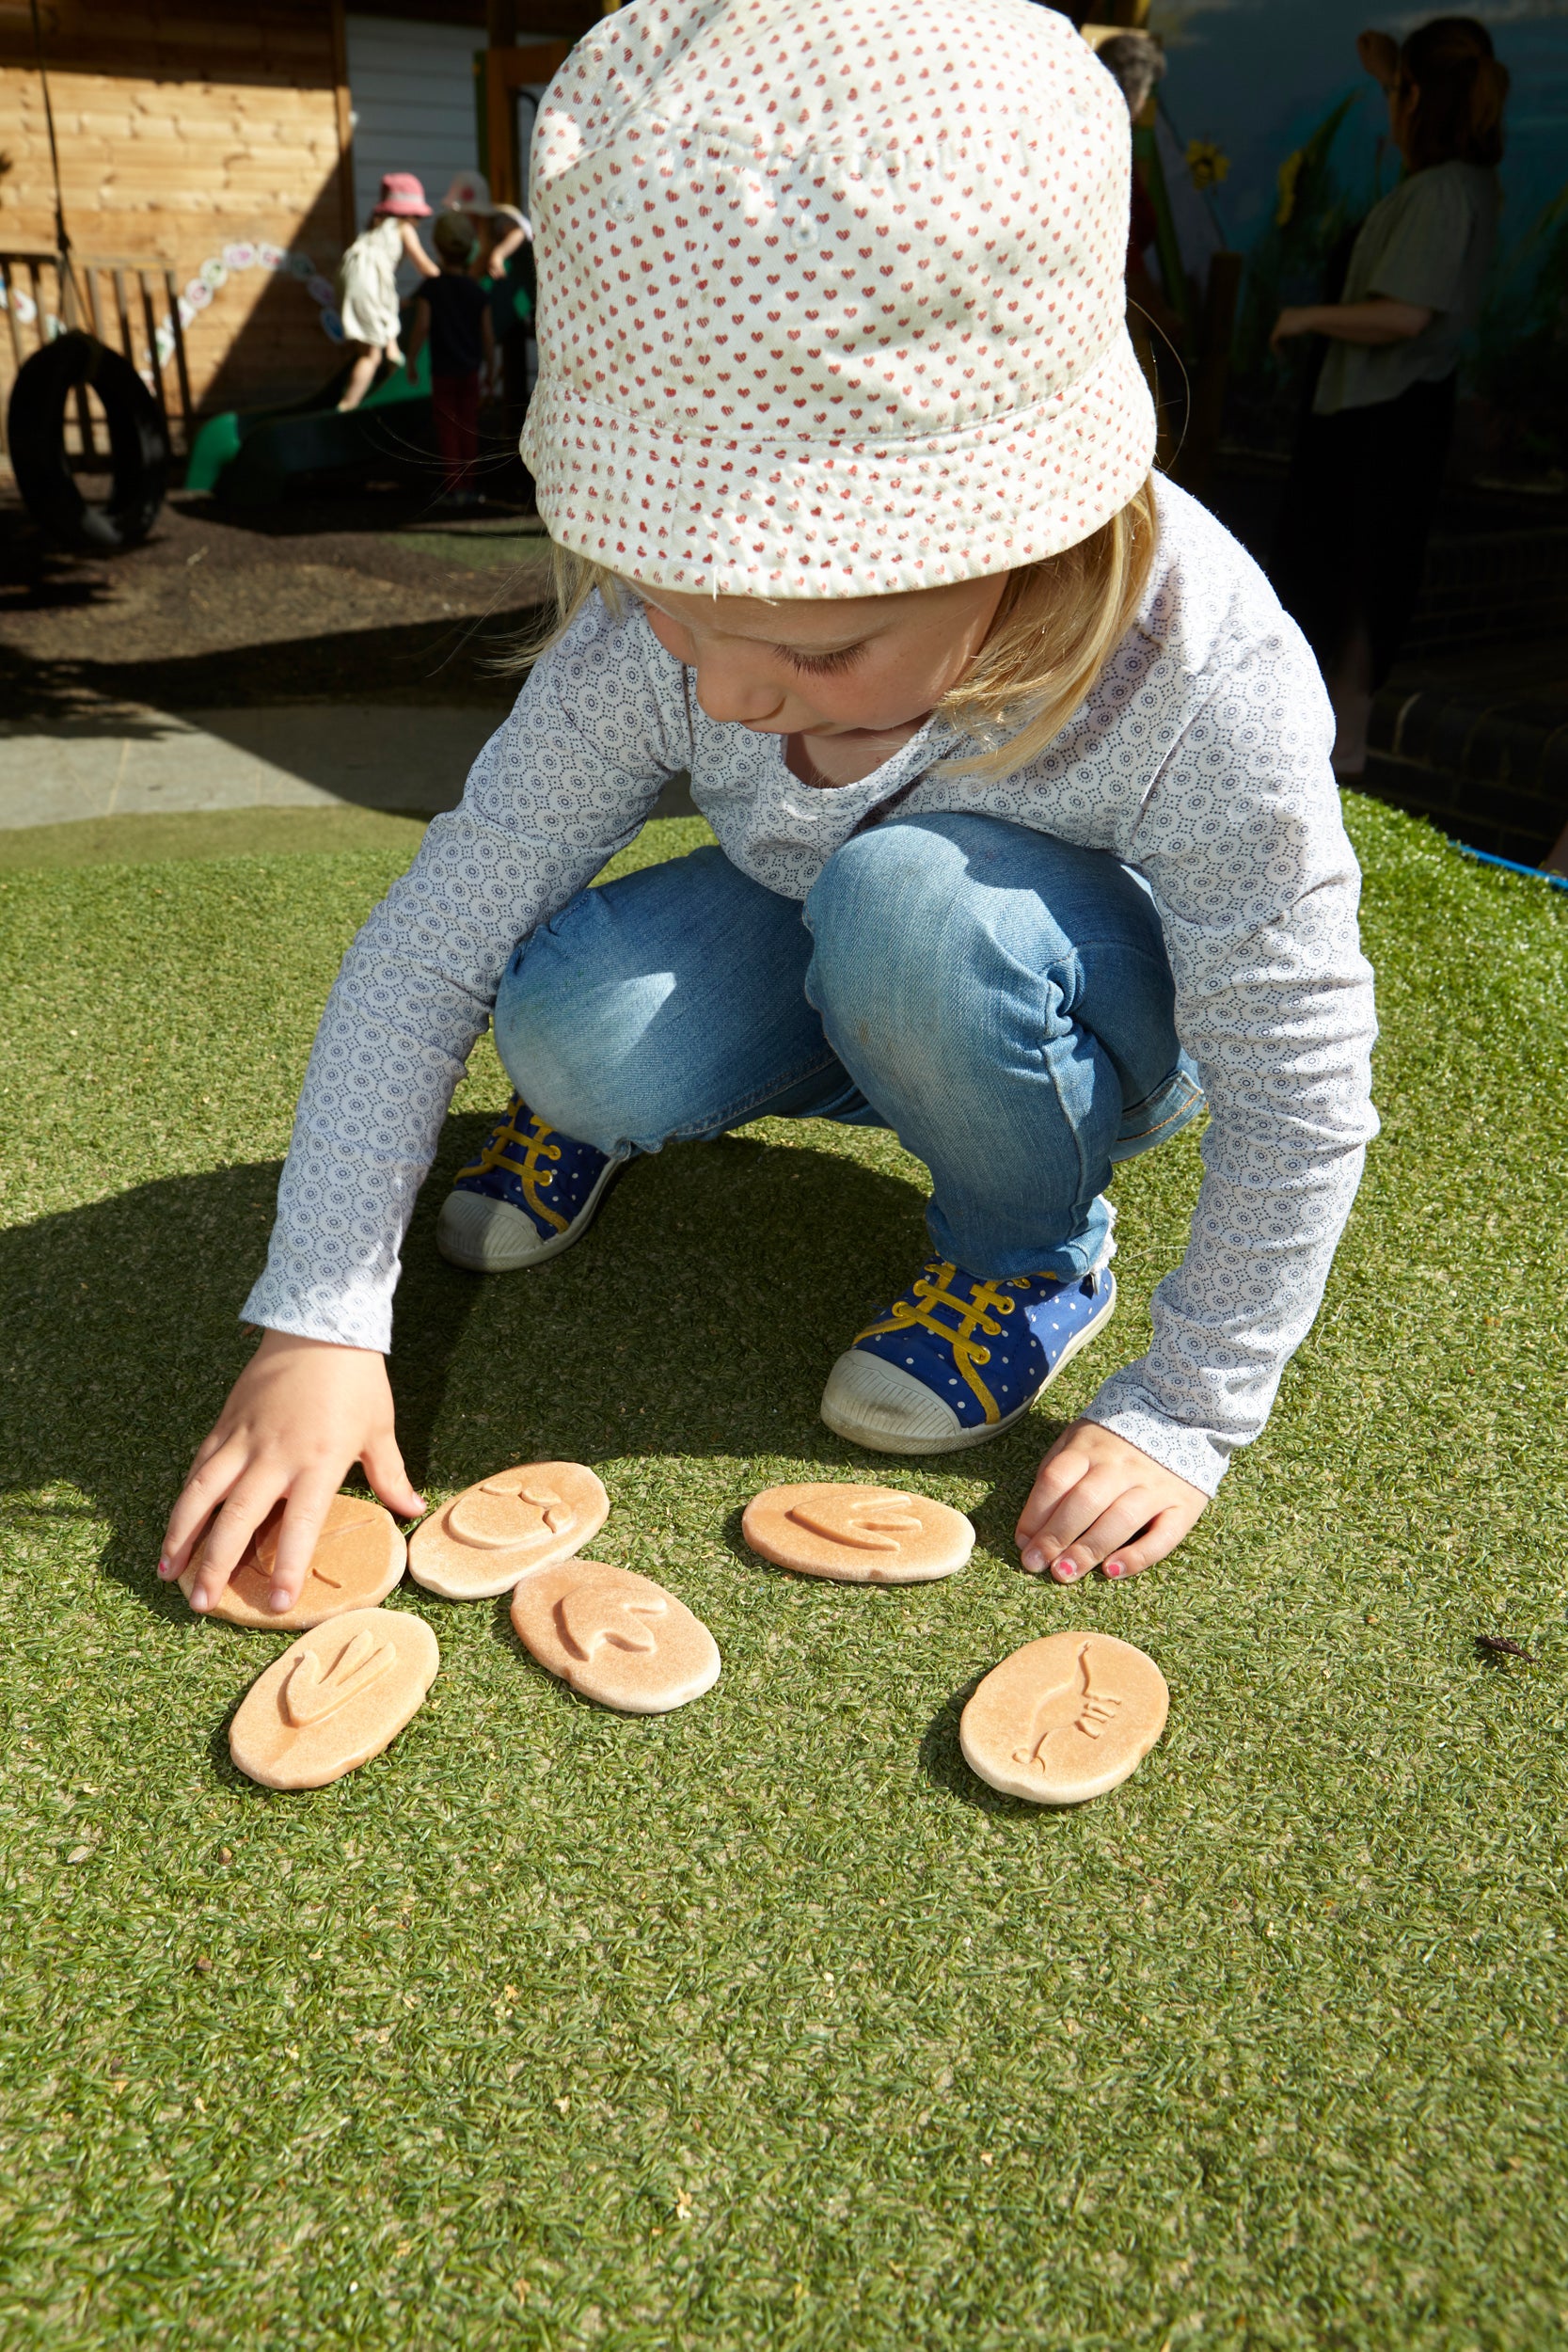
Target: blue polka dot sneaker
x,y
531,1194
957,1359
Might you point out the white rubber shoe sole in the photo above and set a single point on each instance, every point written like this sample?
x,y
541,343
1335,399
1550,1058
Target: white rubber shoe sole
x,y
876,1404
488,1236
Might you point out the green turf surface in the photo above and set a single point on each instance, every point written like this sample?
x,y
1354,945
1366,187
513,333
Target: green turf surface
x,y
765,2024
208,833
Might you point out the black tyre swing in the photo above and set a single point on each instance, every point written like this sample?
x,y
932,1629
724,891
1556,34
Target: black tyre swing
x,y
138,445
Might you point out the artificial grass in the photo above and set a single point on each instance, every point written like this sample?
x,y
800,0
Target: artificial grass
x,y
765,2024
208,833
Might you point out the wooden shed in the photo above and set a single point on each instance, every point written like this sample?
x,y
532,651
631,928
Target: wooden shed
x,y
215,159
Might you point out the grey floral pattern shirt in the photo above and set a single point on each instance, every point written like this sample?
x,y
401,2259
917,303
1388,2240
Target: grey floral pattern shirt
x,y
1201,758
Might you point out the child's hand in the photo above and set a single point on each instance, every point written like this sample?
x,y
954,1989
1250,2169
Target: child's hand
x,y
299,1414
1096,1499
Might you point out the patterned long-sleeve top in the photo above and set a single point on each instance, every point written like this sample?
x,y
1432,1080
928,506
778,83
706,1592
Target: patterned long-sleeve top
x,y
1200,758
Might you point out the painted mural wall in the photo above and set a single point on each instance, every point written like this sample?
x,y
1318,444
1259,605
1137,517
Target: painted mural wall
x,y
1275,87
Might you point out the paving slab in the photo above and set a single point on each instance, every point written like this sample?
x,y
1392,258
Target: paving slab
x,y
413,759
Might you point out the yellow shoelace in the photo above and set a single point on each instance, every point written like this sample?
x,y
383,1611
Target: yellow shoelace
x,y
535,1148
974,1314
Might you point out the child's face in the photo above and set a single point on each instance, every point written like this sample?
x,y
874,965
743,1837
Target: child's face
x,y
852,665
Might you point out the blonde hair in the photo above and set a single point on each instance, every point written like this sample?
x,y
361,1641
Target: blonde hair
x,y
1058,624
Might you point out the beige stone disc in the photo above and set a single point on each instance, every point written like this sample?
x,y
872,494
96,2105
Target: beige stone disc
x,y
360,1556
1065,1718
527,1517
335,1698
616,1637
857,1535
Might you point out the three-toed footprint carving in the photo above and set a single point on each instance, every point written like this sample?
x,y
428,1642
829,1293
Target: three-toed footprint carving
x,y
857,1535
866,1526
591,1615
614,1636
310,1696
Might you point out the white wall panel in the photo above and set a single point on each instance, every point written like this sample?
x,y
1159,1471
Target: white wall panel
x,y
411,85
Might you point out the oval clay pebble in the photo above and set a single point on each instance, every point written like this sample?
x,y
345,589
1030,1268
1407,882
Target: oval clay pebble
x,y
616,1637
1065,1718
335,1698
857,1535
360,1556
504,1527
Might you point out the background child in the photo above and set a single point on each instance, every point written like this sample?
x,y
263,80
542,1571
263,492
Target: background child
x,y
453,313
505,269
1027,839
367,280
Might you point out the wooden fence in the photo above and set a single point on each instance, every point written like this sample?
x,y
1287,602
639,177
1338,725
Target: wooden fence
x,y
132,306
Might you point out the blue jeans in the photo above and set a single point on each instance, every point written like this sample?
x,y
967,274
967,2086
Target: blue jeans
x,y
1002,1000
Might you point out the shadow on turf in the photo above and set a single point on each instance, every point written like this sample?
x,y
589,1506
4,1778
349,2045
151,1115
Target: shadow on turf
x,y
697,1320
942,1760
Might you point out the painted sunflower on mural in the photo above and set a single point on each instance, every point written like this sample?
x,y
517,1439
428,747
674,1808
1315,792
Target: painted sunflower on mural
x,y
1207,164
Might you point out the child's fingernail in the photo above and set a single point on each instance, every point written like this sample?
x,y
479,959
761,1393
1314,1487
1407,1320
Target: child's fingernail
x,y
1033,1559
1115,1568
1063,1570
280,1602
164,1569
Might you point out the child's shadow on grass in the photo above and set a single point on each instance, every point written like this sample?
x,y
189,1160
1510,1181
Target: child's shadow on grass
x,y
698,1317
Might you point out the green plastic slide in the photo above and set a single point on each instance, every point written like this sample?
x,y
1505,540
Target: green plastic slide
x,y
248,456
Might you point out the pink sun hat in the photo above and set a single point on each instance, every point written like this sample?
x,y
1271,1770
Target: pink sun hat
x,y
402,195
832,299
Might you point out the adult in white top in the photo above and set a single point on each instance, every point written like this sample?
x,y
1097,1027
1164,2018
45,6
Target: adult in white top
x,y
1369,461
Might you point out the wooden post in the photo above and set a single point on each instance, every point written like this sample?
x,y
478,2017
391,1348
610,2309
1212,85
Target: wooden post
x,y
506,71
348,224
155,369
500,145
117,278
9,284
179,334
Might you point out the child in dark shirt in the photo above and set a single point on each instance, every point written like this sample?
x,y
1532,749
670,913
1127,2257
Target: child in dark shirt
x,y
453,313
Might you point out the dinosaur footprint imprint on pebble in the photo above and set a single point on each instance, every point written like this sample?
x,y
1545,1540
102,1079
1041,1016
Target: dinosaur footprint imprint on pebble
x,y
1065,1718
857,1535
360,1556
508,1525
593,1613
614,1636
865,1526
500,1514
313,1691
336,1698
1076,1707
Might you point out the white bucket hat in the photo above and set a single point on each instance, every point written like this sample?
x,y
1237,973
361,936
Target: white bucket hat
x,y
469,192
831,295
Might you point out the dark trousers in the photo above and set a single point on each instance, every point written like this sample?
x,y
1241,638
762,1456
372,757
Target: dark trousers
x,y
1351,546
457,402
